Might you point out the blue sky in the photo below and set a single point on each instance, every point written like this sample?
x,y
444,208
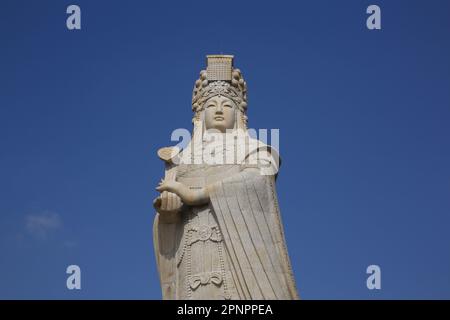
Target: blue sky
x,y
364,137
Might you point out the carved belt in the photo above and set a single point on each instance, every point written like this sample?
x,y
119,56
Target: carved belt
x,y
205,278
203,233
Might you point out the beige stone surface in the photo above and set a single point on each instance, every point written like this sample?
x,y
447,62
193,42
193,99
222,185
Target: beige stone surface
x,y
218,232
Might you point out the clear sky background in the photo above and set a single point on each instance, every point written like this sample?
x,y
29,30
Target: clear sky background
x,y
364,137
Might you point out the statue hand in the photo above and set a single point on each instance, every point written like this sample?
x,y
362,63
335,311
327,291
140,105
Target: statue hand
x,y
188,196
167,214
175,187
170,186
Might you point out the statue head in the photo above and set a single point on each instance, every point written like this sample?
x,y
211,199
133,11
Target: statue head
x,y
219,98
220,113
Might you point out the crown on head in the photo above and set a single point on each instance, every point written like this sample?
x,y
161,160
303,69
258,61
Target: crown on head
x,y
220,79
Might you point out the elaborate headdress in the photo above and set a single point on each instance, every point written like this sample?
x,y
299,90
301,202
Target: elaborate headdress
x,y
220,79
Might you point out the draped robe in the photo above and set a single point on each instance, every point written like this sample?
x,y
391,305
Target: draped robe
x,y
233,247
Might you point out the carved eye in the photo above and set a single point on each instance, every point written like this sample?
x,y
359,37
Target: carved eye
x,y
228,105
210,106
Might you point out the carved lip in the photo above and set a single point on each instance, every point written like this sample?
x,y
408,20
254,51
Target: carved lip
x,y
219,118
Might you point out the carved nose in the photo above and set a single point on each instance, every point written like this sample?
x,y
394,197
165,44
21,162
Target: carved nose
x,y
219,109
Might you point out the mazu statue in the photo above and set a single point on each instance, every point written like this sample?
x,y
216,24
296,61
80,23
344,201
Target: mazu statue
x,y
218,232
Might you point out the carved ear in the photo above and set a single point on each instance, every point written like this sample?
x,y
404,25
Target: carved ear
x,y
168,153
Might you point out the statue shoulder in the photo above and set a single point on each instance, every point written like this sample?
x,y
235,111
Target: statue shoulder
x,y
257,146
262,156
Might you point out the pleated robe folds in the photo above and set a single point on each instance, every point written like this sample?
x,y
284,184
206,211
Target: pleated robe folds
x,y
238,236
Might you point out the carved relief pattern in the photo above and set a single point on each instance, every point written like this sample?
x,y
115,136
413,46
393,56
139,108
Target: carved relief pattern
x,y
203,235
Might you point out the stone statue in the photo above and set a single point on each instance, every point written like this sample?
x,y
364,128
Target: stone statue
x,y
218,232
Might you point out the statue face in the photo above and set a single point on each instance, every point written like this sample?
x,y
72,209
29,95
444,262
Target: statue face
x,y
220,113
